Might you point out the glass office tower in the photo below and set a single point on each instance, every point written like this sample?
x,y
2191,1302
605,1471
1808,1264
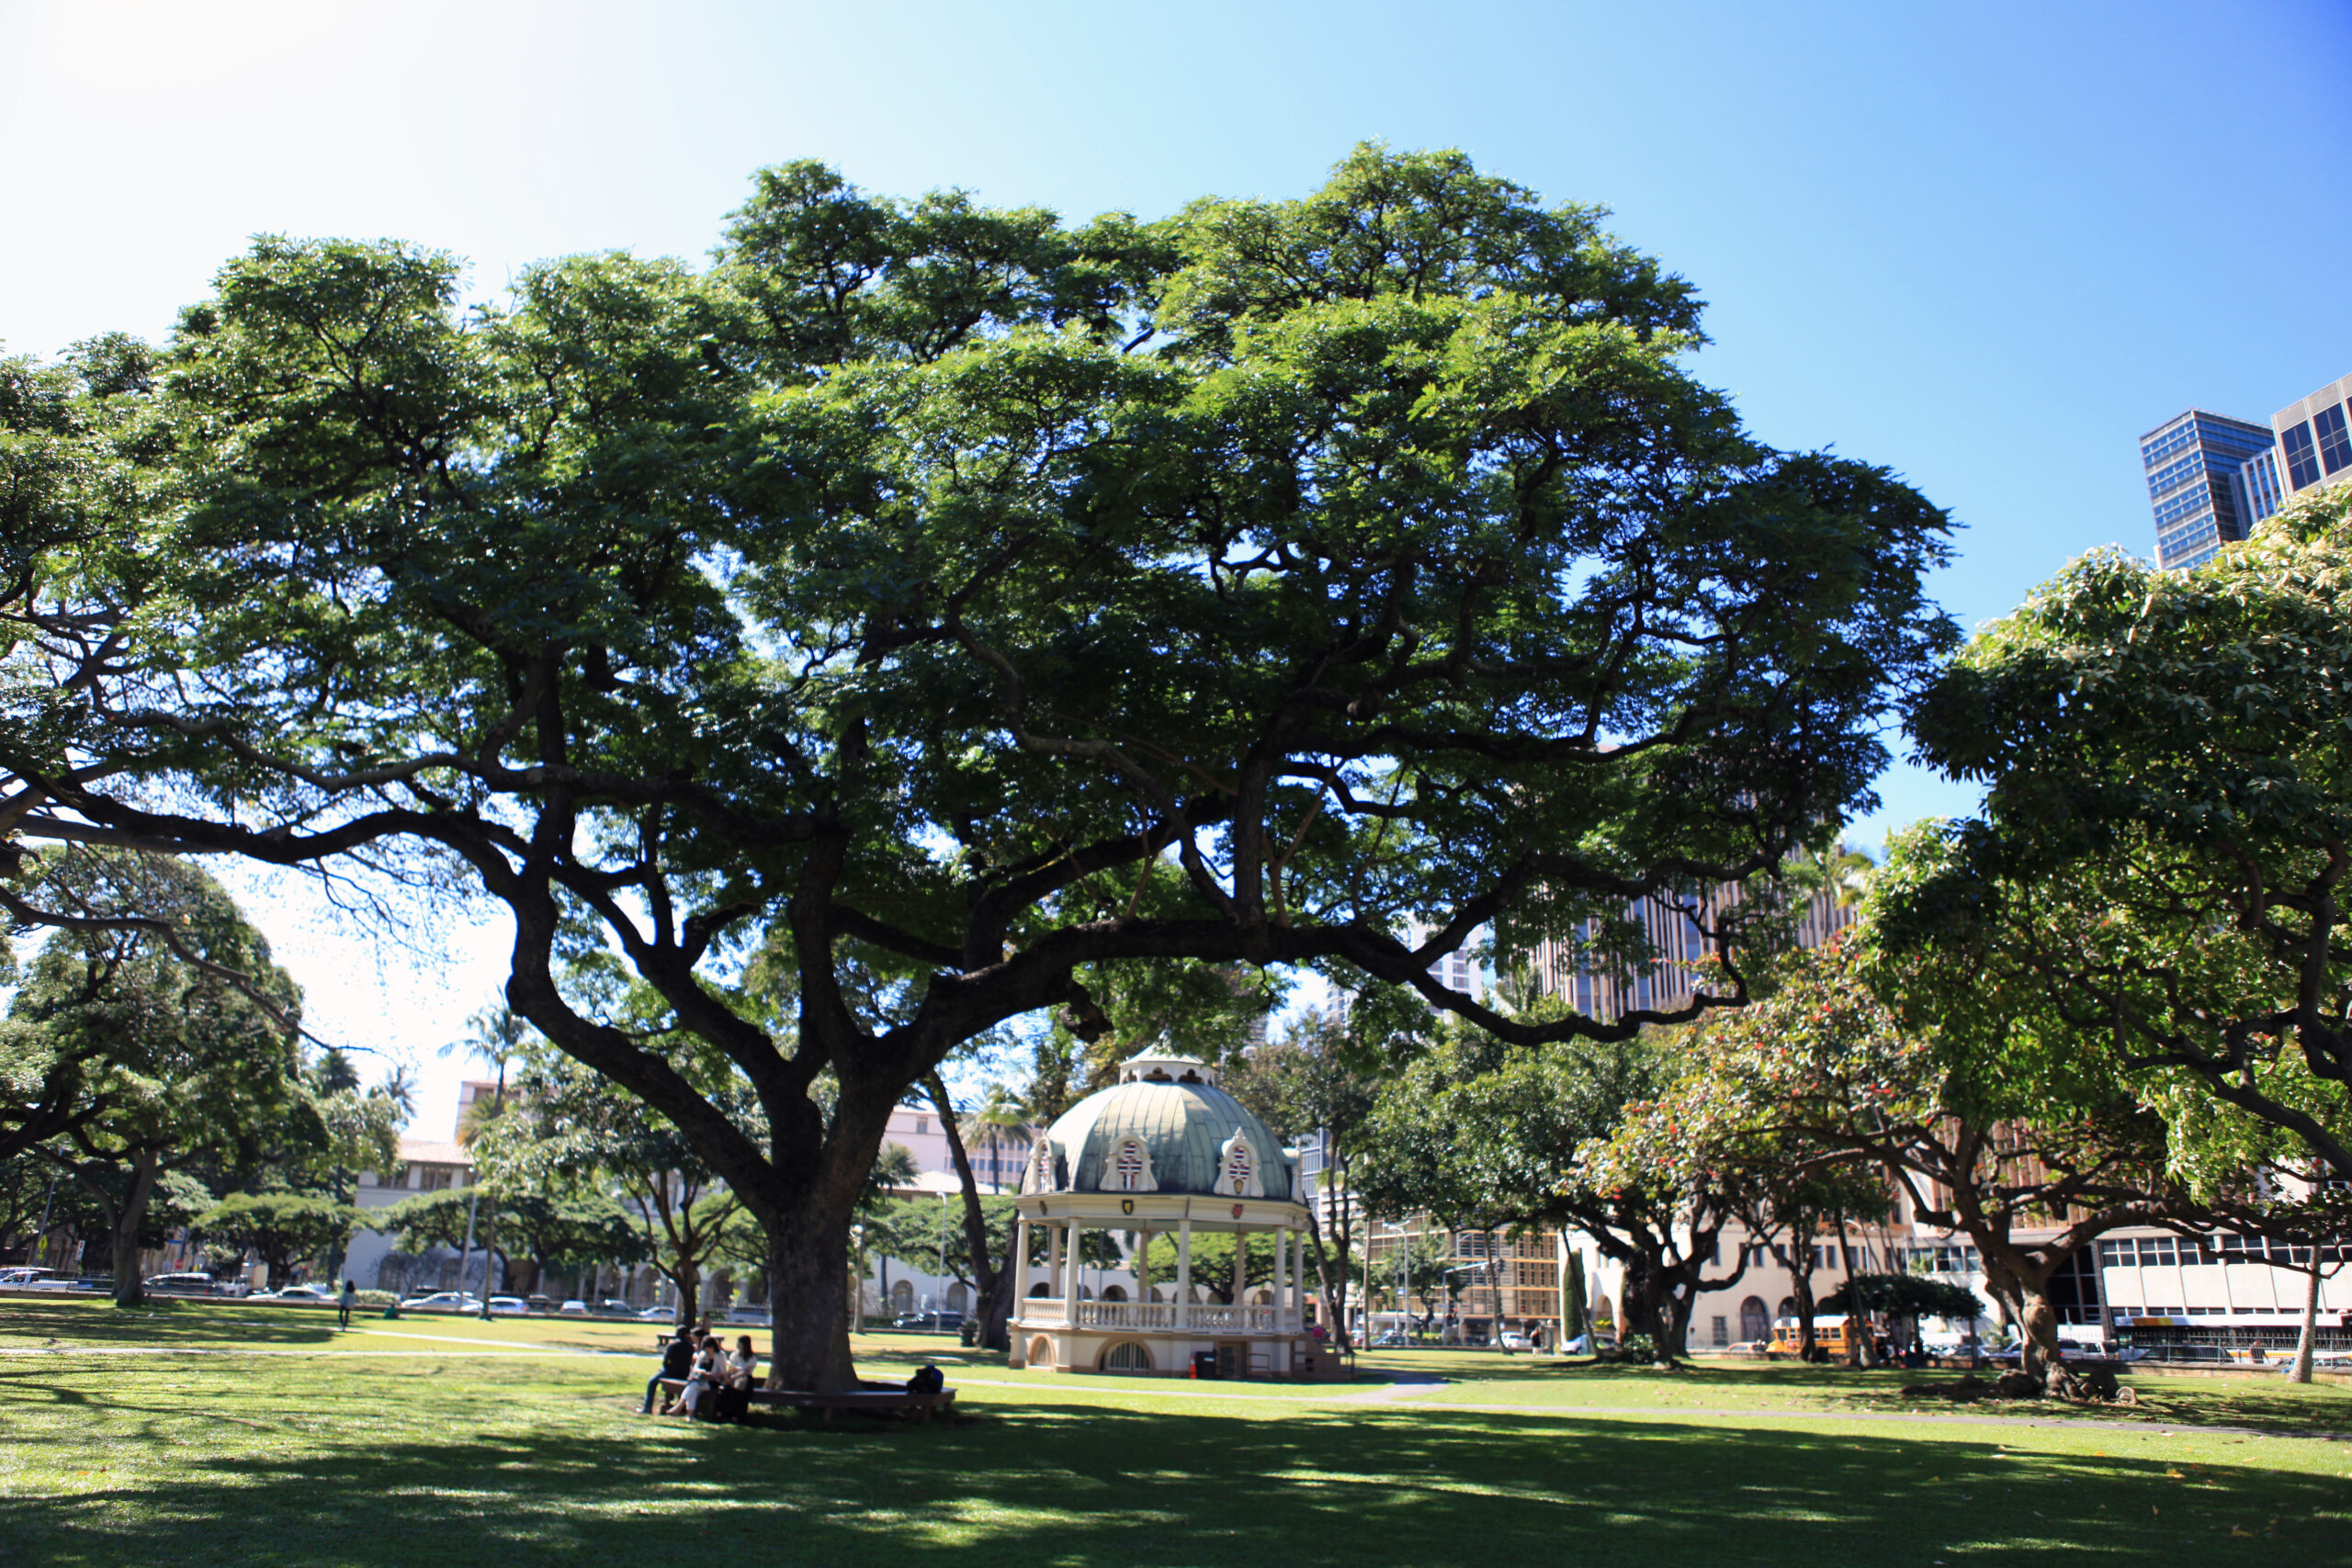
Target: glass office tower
x,y
2256,489
2193,461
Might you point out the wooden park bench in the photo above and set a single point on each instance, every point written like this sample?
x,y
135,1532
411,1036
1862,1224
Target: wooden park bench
x,y
865,1401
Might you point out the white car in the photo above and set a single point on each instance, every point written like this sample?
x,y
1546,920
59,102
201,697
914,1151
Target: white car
x,y
1514,1340
515,1306
446,1301
297,1293
573,1309
657,1315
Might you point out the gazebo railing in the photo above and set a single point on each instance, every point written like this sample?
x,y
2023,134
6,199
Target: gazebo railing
x,y
1146,1318
1126,1314
1237,1319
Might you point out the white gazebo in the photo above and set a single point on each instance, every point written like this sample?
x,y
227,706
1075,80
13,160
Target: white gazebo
x,y
1164,1151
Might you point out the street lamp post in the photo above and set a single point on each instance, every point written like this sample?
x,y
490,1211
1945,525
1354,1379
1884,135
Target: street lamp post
x,y
1404,1284
856,1272
939,1288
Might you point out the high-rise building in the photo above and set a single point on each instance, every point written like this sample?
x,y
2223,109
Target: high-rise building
x,y
1667,975
2314,444
2196,465
2256,488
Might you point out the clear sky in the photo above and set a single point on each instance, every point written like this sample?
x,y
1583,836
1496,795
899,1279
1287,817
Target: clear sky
x,y
1985,246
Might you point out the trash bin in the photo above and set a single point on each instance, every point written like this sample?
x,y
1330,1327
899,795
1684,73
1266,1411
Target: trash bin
x,y
1204,1363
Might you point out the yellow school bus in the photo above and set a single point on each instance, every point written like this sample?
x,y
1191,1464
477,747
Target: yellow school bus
x,y
1829,1336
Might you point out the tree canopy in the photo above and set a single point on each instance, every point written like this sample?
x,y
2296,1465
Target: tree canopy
x,y
905,587
2157,878
168,1034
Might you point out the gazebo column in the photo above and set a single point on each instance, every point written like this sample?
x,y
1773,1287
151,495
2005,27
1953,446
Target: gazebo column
x,y
1070,1276
1019,1263
1184,1273
1054,1260
1241,1269
1283,1279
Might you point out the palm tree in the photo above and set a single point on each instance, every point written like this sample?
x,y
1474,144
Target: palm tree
x,y
1002,1116
498,1037
894,1167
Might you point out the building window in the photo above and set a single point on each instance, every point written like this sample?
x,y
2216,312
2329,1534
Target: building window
x,y
1722,1330
2302,460
2334,445
922,1125
435,1177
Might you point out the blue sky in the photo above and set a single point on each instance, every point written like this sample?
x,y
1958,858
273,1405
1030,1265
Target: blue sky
x,y
1987,246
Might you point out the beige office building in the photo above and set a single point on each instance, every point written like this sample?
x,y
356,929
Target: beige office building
x,y
2315,438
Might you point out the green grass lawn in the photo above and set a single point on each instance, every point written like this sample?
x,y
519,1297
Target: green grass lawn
x,y
260,1436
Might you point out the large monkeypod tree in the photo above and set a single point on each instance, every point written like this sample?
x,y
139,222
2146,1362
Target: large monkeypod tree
x,y
898,591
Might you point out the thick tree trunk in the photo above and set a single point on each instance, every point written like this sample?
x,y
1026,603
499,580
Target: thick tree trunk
x,y
1647,1306
685,1278
2026,1294
2302,1369
129,1290
997,1311
1678,1312
809,1271
1332,1274
1797,1259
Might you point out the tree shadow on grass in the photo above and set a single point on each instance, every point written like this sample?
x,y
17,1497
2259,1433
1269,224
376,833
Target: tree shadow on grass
x,y
2184,1403
163,1322
1043,1483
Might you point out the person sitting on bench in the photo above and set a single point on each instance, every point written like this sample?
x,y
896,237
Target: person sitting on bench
x,y
677,1364
732,1400
709,1373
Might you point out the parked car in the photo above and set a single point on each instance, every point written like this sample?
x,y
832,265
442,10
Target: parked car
x,y
180,1284
573,1309
446,1301
1396,1338
916,1321
538,1304
758,1315
297,1293
658,1314
608,1305
19,1278
508,1306
1515,1340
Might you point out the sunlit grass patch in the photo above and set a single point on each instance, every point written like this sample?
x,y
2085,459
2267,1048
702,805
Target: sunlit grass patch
x,y
392,1458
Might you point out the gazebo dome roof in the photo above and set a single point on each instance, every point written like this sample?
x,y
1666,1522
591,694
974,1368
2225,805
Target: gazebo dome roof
x,y
1185,1126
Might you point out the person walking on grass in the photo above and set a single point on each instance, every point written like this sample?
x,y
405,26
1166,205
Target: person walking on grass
x,y
346,1302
